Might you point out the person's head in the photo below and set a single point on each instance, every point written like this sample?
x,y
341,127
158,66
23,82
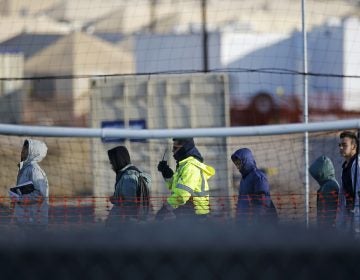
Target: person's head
x,y
322,169
185,143
237,162
243,160
33,150
119,157
25,150
185,147
348,144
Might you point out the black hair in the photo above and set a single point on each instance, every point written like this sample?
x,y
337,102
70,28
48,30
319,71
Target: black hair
x,y
119,157
351,135
26,143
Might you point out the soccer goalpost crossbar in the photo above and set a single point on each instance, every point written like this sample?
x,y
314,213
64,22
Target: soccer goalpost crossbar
x,y
19,130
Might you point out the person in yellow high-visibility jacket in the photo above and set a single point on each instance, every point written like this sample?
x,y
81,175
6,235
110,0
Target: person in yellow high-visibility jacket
x,y
189,184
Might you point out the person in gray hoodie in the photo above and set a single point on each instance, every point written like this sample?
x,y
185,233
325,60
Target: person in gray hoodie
x,y
323,171
31,209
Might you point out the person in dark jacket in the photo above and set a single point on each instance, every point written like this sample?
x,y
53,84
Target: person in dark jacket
x,y
125,199
349,194
323,171
254,201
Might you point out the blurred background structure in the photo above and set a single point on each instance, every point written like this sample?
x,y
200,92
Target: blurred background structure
x,y
171,64
168,65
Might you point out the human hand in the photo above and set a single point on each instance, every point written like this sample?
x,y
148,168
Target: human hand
x,y
165,170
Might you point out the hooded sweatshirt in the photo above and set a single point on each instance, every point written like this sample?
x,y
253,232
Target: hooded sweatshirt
x,y
33,208
254,201
188,149
323,171
126,185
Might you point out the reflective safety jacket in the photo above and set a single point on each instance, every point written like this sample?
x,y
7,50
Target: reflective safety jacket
x,y
190,180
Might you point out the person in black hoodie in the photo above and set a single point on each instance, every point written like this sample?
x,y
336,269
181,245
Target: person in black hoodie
x,y
126,196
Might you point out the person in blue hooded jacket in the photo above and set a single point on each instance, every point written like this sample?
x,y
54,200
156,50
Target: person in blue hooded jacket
x,y
254,204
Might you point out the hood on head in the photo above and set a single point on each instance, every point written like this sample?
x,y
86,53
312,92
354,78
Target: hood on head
x,y
247,160
188,149
119,157
322,169
37,151
186,142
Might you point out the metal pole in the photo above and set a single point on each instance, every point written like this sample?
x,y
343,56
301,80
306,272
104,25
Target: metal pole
x,y
204,35
152,24
261,130
306,113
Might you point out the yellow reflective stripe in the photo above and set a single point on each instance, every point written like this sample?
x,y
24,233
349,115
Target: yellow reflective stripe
x,y
203,181
185,188
202,193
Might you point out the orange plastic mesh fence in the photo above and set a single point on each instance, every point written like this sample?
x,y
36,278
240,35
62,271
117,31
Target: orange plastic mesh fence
x,y
82,211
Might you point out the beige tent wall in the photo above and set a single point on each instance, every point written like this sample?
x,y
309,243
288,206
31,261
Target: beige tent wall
x,y
165,101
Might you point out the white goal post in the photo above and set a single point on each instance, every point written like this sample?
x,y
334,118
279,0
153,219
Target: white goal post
x,y
44,131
